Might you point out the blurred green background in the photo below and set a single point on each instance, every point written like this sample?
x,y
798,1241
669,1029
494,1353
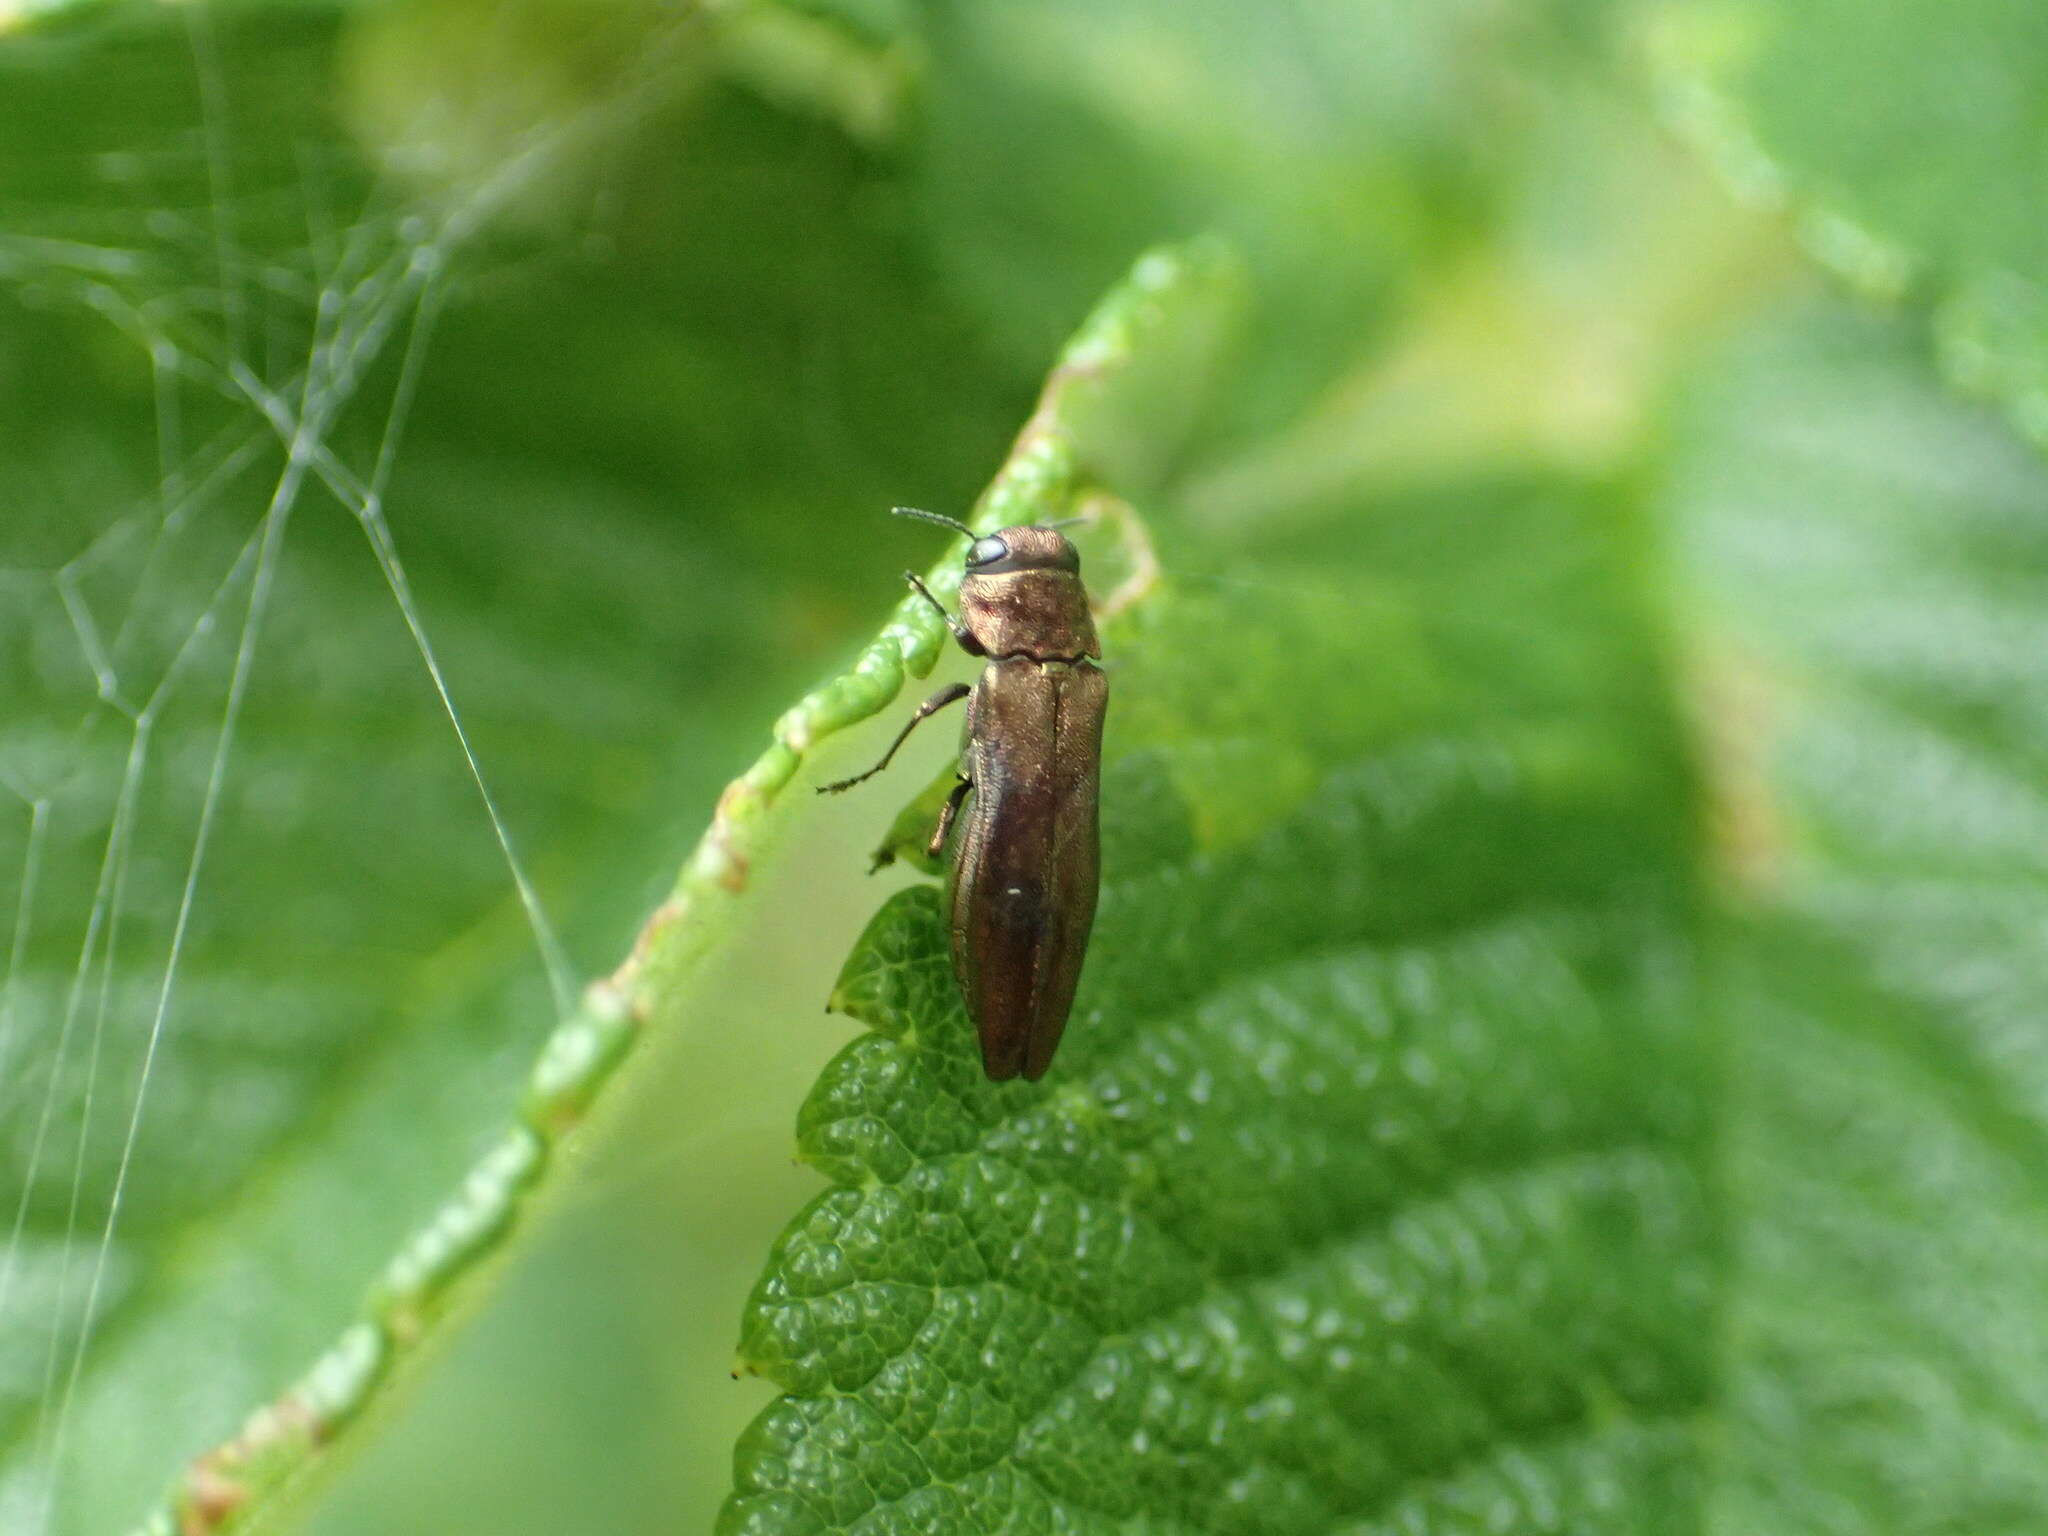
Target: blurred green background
x,y
1679,368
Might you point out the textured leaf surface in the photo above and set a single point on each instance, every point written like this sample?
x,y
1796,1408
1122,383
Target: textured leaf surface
x,y
1881,553
356,1007
1426,1156
1369,1175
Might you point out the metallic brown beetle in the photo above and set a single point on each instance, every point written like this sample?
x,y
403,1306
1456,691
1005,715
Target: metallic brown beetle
x,y
1023,887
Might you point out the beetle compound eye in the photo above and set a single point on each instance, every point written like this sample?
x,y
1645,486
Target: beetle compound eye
x,y
987,551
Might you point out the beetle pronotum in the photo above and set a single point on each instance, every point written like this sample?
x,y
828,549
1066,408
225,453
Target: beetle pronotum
x,y
1022,893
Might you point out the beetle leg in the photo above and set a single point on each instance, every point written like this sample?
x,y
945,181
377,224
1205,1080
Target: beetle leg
x,y
952,693
937,845
961,633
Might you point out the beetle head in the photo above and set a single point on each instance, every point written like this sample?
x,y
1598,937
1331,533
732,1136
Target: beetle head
x,y
1022,548
1031,602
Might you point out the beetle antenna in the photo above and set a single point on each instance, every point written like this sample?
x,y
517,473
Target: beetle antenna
x,y
935,517
1068,522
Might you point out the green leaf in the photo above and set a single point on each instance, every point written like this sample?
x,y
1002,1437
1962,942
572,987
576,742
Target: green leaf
x,y
1172,115
1560,1049
333,1129
1873,561
1909,143
1372,1166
